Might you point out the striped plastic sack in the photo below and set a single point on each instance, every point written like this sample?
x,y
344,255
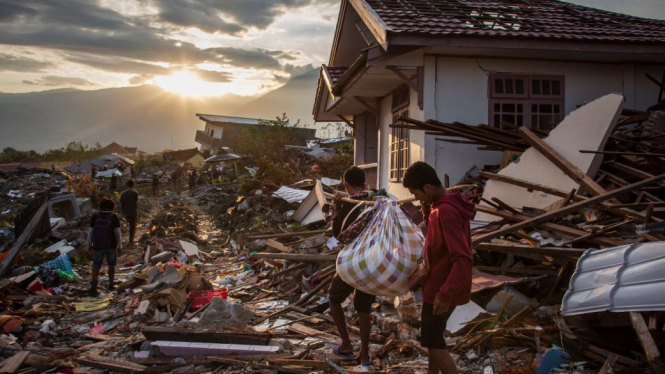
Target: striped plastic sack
x,y
381,258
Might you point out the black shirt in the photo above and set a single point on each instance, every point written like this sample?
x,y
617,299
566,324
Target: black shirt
x,y
343,211
129,201
115,223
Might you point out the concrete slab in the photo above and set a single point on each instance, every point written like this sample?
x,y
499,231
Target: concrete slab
x,y
586,128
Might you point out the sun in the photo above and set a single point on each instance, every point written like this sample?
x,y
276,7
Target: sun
x,y
188,84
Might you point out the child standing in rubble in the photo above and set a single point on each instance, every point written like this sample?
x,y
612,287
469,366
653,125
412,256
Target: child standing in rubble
x,y
105,242
339,291
448,255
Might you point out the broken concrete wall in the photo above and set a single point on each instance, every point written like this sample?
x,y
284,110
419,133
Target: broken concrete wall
x,y
587,128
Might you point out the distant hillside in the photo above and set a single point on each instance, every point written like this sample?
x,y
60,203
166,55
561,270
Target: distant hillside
x,y
143,116
295,98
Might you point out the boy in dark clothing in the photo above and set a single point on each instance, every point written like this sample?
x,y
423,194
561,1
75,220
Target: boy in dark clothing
x,y
155,184
129,203
114,183
104,240
448,254
339,291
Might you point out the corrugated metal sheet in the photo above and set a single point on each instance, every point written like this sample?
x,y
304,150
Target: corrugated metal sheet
x,y
628,278
291,195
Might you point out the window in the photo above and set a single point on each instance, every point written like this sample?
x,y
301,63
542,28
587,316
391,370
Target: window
x,y
534,101
399,138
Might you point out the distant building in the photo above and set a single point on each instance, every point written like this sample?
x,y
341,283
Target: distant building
x,y
192,156
120,150
222,131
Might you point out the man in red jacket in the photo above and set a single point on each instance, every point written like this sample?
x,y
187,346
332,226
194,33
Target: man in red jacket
x,y
448,254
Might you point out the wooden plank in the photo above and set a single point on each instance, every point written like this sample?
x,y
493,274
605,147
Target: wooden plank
x,y
567,210
196,336
525,184
285,234
643,334
619,153
22,239
14,363
516,270
308,331
272,243
561,162
100,362
607,366
307,363
517,249
561,229
297,257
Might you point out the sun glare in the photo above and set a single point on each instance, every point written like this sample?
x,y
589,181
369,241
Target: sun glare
x,y
188,84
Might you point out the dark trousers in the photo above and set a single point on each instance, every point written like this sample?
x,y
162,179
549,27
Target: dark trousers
x,y
131,220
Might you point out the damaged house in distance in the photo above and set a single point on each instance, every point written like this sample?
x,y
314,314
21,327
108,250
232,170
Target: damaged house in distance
x,y
221,132
502,63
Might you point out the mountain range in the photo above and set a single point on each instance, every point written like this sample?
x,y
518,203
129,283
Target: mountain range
x,y
139,116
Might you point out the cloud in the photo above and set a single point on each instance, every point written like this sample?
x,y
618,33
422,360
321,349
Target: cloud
x,y
81,13
21,64
295,71
228,17
118,65
140,79
214,76
258,58
10,11
56,80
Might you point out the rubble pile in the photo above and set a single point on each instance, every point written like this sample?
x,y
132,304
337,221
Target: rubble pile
x,y
555,196
233,276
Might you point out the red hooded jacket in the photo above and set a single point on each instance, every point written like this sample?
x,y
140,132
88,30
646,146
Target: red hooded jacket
x,y
448,246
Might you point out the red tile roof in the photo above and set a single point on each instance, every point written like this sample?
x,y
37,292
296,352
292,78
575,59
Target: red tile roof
x,y
547,19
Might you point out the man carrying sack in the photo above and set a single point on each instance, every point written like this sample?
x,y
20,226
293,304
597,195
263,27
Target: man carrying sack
x,y
345,214
448,259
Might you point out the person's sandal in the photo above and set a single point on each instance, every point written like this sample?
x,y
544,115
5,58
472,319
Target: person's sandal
x,y
346,356
368,363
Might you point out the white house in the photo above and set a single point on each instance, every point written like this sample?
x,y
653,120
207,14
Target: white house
x,y
526,62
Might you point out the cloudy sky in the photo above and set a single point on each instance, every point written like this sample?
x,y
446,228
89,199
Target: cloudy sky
x,y
189,46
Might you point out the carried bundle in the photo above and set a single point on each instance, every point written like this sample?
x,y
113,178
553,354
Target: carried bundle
x,y
379,260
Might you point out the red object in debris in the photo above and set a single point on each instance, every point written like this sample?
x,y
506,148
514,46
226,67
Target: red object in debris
x,y
175,263
203,298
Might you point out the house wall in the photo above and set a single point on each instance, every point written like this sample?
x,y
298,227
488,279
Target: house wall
x,y
365,139
416,148
196,160
461,94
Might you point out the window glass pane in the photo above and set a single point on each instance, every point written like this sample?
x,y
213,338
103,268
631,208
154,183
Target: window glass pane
x,y
520,108
535,86
508,108
545,108
556,87
498,85
497,120
556,109
546,87
520,121
534,108
509,118
534,120
509,86
519,86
